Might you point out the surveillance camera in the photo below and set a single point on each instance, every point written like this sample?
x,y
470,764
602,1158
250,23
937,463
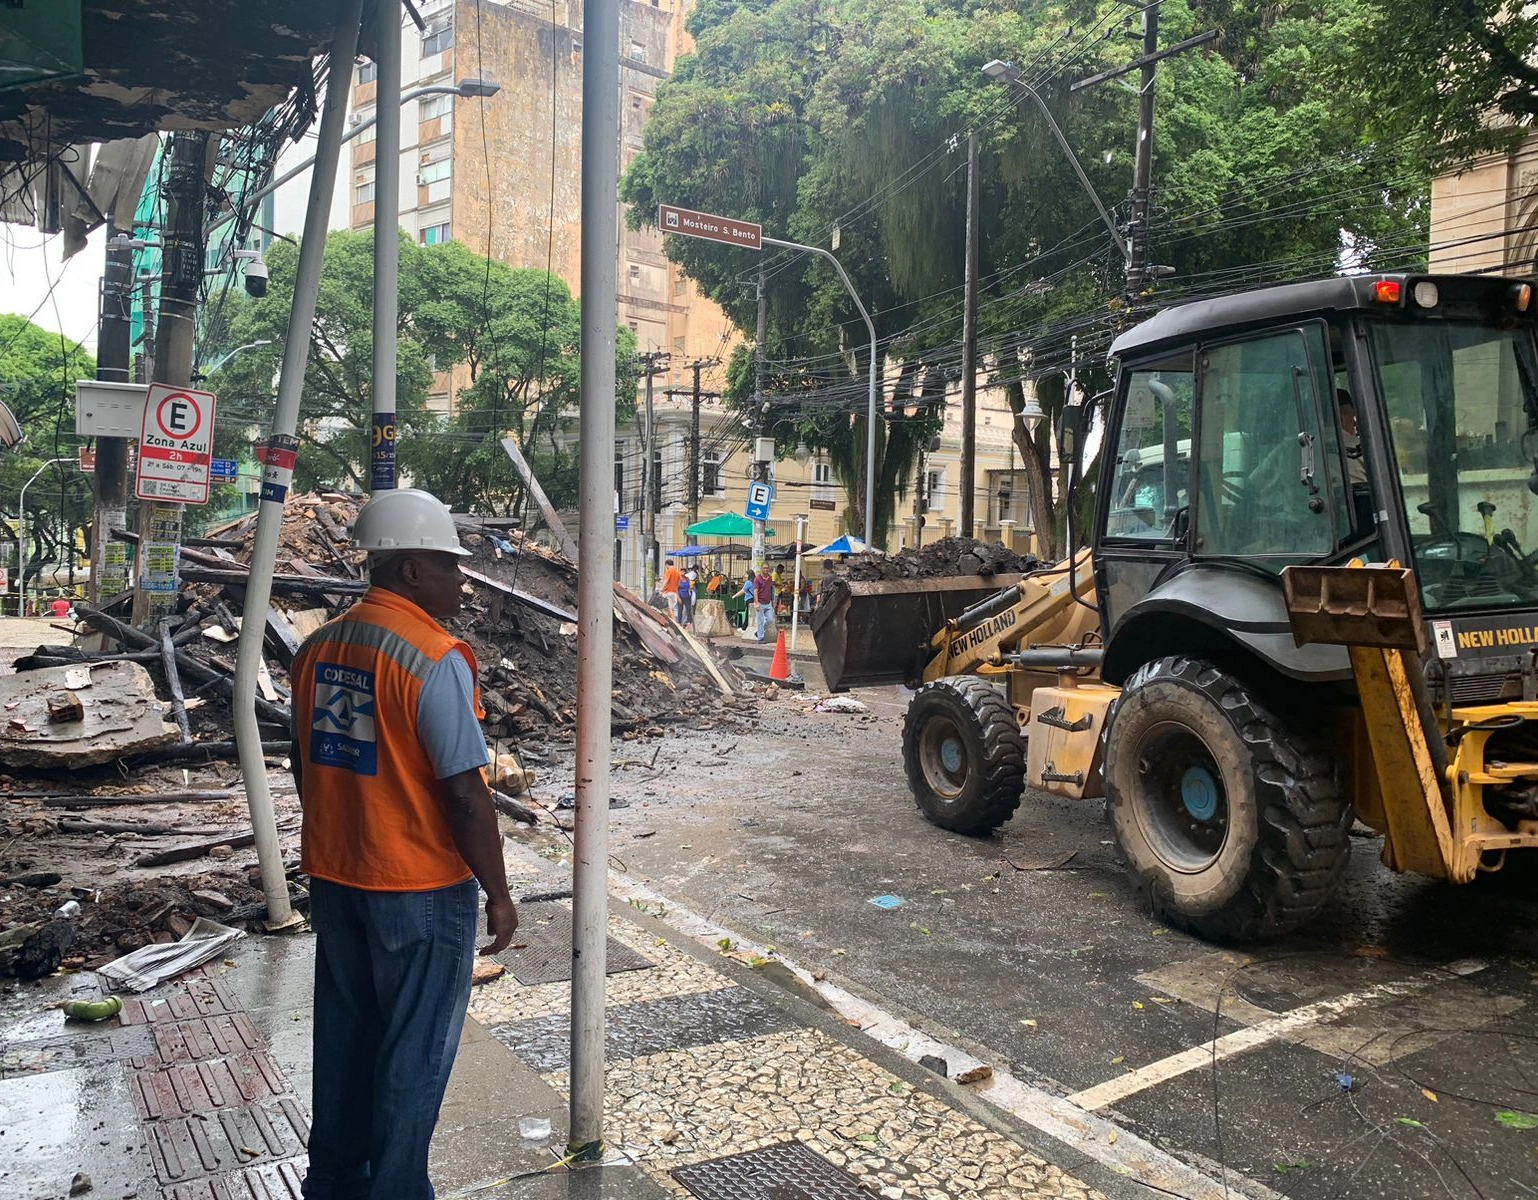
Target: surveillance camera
x,y
256,278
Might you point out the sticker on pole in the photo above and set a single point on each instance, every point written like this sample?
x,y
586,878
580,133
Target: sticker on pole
x,y
176,445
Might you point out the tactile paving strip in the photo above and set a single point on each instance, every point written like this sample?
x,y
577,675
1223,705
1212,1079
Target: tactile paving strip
x,y
206,1037
789,1171
186,1089
636,1030
187,1148
545,930
271,1181
189,999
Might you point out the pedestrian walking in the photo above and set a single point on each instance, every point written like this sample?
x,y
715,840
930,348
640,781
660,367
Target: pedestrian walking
x,y
398,826
763,596
686,599
748,594
671,576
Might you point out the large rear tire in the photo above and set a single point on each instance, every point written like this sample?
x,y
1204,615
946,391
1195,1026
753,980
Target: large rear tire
x,y
964,754
1233,821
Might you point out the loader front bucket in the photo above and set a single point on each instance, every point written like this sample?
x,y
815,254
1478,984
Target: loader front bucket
x,y
878,632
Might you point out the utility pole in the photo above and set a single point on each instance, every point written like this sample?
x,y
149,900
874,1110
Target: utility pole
x,y
653,361
696,479
160,525
109,556
1142,173
760,469
969,350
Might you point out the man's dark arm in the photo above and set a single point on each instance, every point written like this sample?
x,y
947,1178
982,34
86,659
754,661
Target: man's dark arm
x,y
473,822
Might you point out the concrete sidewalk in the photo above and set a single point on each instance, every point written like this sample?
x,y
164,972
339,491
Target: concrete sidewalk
x,y
722,1082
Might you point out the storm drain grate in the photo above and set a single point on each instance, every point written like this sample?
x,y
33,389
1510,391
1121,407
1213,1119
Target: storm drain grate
x,y
789,1171
545,957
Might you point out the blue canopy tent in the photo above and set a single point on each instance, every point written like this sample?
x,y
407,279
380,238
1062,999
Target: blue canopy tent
x,y
843,544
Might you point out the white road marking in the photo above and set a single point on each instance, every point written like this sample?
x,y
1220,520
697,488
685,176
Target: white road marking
x,y
1094,1136
1103,1095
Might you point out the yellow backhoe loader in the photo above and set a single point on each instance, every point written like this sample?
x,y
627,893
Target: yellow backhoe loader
x,y
1311,595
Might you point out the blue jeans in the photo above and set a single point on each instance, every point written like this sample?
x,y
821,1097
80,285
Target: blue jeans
x,y
392,981
765,620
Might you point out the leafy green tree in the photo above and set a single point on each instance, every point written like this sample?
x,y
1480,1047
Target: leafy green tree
x,y
811,116
508,340
38,370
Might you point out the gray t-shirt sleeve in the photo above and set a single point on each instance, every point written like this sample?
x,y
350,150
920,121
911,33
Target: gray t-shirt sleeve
x,y
446,723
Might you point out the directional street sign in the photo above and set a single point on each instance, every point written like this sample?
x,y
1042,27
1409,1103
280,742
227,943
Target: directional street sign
x,y
759,496
685,221
225,470
175,445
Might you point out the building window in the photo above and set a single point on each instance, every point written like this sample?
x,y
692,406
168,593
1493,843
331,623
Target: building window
x,y
367,72
433,172
637,52
635,271
678,345
822,480
434,235
433,107
436,41
635,326
619,470
364,193
933,484
366,134
710,467
680,286
1006,500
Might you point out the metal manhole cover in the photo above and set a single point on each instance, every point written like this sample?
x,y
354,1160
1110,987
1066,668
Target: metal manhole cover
x,y
789,1171
545,930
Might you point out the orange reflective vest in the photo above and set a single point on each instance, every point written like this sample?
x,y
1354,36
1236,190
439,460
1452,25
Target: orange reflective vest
x,y
372,816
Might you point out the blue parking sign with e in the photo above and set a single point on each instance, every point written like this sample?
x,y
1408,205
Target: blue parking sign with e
x,y
759,496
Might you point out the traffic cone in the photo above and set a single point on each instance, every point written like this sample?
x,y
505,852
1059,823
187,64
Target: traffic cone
x,y
779,667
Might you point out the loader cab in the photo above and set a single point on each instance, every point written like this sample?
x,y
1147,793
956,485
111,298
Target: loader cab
x,y
1373,418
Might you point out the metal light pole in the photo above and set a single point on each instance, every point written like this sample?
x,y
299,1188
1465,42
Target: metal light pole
x,y
224,358
278,472
21,517
595,583
387,244
871,414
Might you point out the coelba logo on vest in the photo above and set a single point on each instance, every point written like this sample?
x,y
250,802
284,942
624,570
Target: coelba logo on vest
x,y
342,728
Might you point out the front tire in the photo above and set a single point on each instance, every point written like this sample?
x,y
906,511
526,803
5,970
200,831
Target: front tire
x,y
1233,821
964,754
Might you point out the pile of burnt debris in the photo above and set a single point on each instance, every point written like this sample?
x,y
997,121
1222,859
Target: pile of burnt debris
x,y
107,695
120,805
944,558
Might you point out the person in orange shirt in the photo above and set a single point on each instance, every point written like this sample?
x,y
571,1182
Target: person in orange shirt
x,y
398,826
671,576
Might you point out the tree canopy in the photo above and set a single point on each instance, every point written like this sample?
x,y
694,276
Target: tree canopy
x,y
38,370
507,339
852,115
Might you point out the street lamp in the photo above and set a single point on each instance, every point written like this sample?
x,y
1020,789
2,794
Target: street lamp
x,y
998,69
469,87
201,375
21,517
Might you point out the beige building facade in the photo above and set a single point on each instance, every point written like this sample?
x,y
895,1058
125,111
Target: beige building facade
x,y
1484,216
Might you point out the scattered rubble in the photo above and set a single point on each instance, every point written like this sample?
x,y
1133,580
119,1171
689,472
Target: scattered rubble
x,y
117,744
946,557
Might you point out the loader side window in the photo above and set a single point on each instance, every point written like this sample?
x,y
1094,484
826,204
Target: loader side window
x,y
1151,475
1261,476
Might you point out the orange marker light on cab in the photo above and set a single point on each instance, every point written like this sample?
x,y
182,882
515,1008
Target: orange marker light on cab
x,y
1386,291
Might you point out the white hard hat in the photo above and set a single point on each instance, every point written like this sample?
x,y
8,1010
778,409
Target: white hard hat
x,y
406,519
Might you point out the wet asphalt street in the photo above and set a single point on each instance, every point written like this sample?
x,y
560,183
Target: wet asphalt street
x,y
1389,1051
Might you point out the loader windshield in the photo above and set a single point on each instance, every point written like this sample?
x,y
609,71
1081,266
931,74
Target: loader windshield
x,y
1460,400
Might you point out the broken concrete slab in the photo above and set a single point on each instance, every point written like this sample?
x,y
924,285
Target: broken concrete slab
x,y
119,715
